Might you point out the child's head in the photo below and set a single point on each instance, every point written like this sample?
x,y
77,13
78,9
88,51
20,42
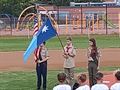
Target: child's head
x,y
117,75
61,77
69,40
82,78
43,44
99,76
92,42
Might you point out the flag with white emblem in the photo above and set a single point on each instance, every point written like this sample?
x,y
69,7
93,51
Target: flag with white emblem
x,y
46,32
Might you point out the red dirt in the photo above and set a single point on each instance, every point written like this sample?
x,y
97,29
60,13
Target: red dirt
x,y
14,60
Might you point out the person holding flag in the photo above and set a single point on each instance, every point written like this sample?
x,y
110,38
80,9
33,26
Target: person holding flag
x,y
45,32
37,45
69,64
41,57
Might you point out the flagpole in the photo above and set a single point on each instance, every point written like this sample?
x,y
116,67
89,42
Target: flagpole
x,y
60,42
59,39
56,30
119,25
88,27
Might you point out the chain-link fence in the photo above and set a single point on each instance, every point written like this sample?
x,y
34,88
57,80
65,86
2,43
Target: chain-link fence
x,y
7,23
71,20
98,20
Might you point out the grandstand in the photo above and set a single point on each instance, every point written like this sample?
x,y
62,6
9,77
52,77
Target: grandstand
x,y
114,3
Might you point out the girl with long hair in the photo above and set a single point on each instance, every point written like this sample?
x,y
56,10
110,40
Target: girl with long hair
x,y
93,61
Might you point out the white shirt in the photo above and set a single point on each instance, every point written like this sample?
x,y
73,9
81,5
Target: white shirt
x,y
115,86
62,87
99,87
85,87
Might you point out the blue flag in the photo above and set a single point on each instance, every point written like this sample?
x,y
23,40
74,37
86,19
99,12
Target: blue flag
x,y
46,32
30,48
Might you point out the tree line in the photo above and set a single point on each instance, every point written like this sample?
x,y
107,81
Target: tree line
x,y
14,7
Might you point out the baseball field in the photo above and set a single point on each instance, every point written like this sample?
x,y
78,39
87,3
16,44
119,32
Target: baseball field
x,y
17,75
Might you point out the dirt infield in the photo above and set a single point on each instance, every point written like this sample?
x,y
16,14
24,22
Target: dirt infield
x,y
14,60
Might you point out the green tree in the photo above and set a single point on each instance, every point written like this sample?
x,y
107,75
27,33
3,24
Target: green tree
x,y
15,7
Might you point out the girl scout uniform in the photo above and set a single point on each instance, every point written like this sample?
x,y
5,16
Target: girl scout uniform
x,y
92,66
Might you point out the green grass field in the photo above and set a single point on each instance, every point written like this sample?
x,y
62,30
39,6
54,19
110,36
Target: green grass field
x,y
26,80
81,41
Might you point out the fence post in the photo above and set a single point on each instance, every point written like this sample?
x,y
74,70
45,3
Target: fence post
x,y
66,21
97,22
58,14
73,22
77,22
10,27
119,25
106,20
93,23
81,20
